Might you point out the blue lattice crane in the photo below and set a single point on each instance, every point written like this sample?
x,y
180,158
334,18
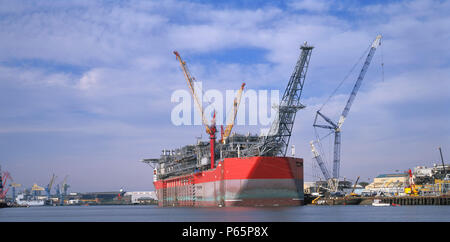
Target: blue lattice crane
x,y
336,127
62,192
48,189
14,185
320,162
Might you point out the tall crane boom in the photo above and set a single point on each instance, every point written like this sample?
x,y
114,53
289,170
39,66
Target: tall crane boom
x,y
211,128
332,183
354,186
319,160
190,81
49,186
277,140
374,46
337,127
442,160
230,123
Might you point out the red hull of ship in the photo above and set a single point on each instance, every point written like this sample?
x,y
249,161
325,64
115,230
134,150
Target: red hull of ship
x,y
249,181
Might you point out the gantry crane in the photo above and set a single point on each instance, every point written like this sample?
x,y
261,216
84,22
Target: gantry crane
x,y
337,127
36,189
14,185
210,128
48,189
232,118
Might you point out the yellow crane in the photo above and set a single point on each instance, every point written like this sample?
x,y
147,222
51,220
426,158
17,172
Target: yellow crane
x,y
35,187
190,81
15,184
231,120
315,200
210,128
354,186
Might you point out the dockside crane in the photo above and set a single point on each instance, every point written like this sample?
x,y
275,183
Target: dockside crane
x,y
36,190
354,187
65,186
61,191
442,160
210,128
48,189
336,127
14,186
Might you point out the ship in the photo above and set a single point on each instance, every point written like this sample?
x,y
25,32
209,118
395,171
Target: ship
x,y
238,170
22,201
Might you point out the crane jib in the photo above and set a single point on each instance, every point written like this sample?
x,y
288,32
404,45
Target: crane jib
x,y
337,128
357,85
277,140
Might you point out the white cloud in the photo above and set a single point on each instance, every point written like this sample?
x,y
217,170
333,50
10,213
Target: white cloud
x,y
89,80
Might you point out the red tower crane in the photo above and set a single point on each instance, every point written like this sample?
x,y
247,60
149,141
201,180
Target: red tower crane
x,y
4,176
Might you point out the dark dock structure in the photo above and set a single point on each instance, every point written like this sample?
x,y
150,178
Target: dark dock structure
x,y
417,200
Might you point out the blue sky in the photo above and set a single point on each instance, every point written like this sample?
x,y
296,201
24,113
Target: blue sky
x,y
85,86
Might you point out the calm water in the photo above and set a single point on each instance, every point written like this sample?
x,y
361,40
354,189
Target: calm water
x,y
236,214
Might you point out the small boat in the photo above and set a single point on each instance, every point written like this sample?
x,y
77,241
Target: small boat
x,y
378,203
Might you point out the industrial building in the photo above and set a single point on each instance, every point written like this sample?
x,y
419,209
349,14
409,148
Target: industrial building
x,y
388,184
141,197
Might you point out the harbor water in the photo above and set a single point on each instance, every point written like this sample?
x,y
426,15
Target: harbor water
x,y
227,214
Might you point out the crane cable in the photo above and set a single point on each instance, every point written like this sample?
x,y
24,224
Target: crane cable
x,y
345,78
382,63
321,149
